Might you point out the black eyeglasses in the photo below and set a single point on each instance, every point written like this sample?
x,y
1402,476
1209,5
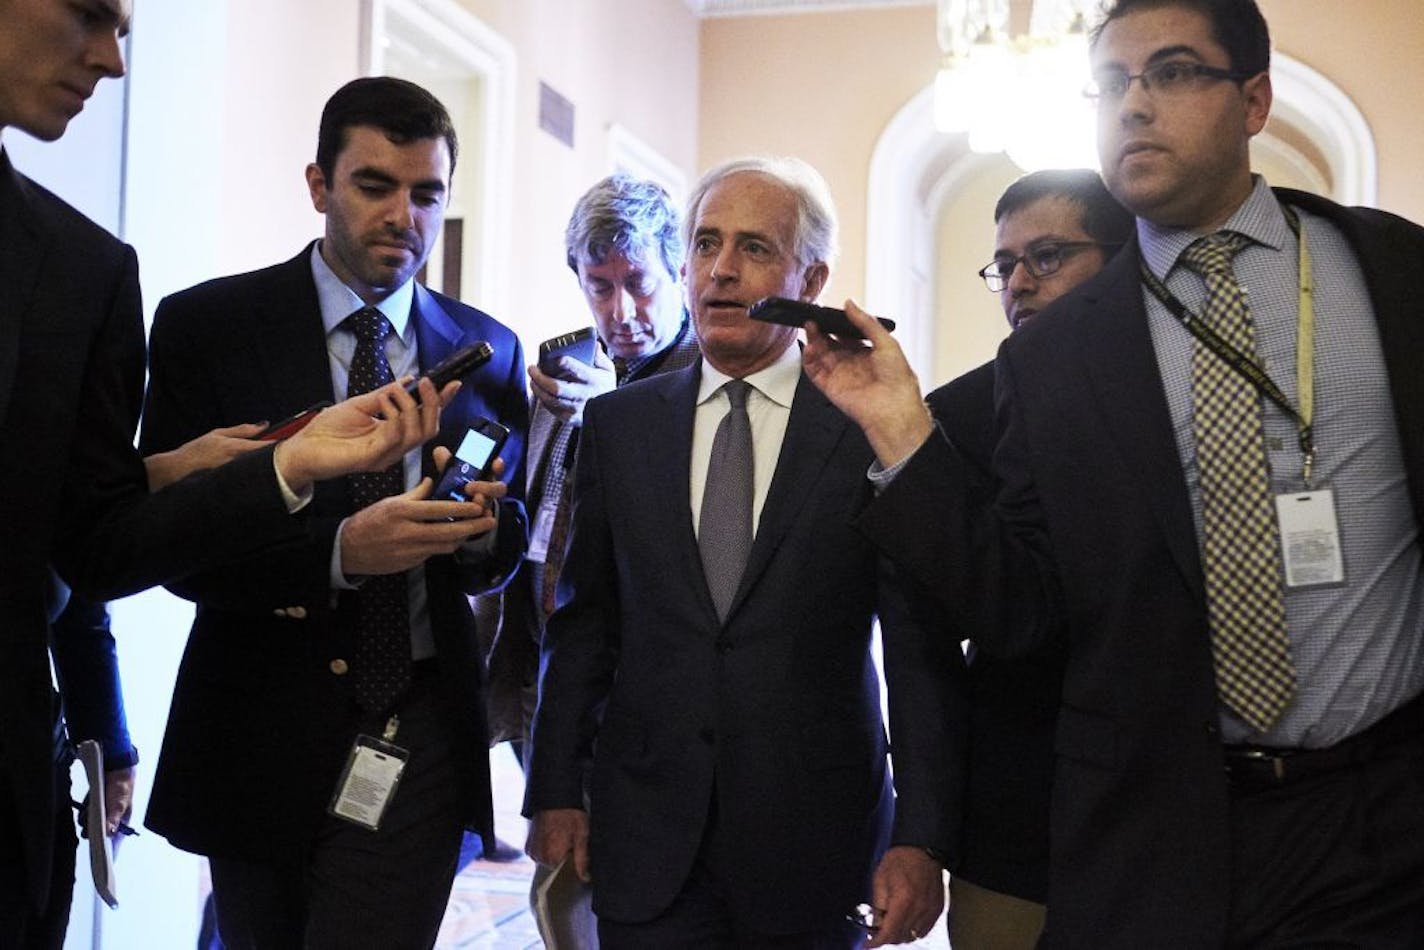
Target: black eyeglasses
x,y
1172,78
1041,261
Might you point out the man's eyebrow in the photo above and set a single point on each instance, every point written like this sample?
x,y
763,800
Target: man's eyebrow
x,y
368,173
1161,55
1170,52
1037,242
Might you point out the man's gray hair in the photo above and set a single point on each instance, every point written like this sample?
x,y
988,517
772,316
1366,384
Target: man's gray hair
x,y
628,215
815,238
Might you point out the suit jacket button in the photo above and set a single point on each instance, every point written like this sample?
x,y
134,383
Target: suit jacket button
x,y
724,645
706,735
338,666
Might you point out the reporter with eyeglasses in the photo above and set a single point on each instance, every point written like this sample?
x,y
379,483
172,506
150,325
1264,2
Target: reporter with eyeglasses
x,y
1208,491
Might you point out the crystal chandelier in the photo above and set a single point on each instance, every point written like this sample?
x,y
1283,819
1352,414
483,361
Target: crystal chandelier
x,y
1021,95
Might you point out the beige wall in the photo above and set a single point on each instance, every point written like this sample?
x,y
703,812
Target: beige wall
x,y
820,86
824,85
630,62
638,69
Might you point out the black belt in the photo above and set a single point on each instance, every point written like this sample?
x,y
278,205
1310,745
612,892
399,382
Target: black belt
x,y
1250,768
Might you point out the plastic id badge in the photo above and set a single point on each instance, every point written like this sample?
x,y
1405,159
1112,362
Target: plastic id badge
x,y
1310,538
368,783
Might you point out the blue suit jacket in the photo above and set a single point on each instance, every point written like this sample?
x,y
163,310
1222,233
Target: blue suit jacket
x,y
258,687
775,712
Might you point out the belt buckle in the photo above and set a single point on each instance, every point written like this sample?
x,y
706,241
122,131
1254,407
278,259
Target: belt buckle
x,y
1278,762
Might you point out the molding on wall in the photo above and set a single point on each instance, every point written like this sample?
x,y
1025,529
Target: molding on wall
x,y
728,8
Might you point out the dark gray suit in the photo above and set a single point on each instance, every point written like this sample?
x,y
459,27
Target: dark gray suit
x,y
773,715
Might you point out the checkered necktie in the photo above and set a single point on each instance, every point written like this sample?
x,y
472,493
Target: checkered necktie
x,y
1241,547
724,528
381,667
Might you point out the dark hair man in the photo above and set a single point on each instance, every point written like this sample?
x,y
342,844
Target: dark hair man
x,y
1055,230
72,490
716,607
323,663
1220,524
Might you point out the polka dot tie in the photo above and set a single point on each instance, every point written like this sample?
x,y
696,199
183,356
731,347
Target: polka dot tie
x,y
1241,552
380,670
724,527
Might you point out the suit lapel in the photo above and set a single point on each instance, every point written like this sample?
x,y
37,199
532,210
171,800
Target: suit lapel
x,y
291,340
813,432
1122,370
666,444
25,241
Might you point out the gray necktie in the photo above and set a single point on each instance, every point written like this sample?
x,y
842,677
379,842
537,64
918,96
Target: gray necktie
x,y
724,534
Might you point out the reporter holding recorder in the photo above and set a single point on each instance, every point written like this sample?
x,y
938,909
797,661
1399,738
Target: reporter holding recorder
x,y
356,639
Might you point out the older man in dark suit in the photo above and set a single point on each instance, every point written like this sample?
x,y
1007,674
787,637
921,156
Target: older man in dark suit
x,y
303,661
72,489
1220,522
711,650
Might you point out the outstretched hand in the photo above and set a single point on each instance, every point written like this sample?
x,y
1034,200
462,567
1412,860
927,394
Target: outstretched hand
x,y
871,382
208,450
364,433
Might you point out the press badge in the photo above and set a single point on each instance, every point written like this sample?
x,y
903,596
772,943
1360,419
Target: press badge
x,y
368,783
1310,538
540,534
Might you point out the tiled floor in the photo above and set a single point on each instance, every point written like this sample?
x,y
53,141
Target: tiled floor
x,y
489,907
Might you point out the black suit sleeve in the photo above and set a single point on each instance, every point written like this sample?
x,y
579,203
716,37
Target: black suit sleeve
x,y
928,695
989,567
113,537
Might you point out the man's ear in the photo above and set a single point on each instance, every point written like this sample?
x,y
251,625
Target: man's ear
x,y
814,281
1258,95
316,186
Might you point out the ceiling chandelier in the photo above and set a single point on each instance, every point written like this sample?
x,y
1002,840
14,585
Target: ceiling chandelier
x,y
1020,94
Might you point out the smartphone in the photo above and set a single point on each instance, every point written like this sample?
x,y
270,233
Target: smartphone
x,y
457,365
581,344
292,424
795,313
473,459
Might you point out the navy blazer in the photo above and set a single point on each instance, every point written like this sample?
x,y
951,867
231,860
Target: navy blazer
x,y
73,492
1092,545
261,687
775,711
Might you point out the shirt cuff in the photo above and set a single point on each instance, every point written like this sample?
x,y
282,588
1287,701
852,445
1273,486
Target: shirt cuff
x,y
291,499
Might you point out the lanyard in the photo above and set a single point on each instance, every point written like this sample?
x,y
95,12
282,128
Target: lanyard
x,y
1246,366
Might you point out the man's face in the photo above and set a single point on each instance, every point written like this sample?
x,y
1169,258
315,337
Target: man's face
x,y
384,207
52,55
636,306
1039,227
1177,159
742,249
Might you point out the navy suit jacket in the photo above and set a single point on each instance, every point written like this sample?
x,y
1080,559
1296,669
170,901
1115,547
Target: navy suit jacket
x,y
73,492
261,690
1092,544
773,714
